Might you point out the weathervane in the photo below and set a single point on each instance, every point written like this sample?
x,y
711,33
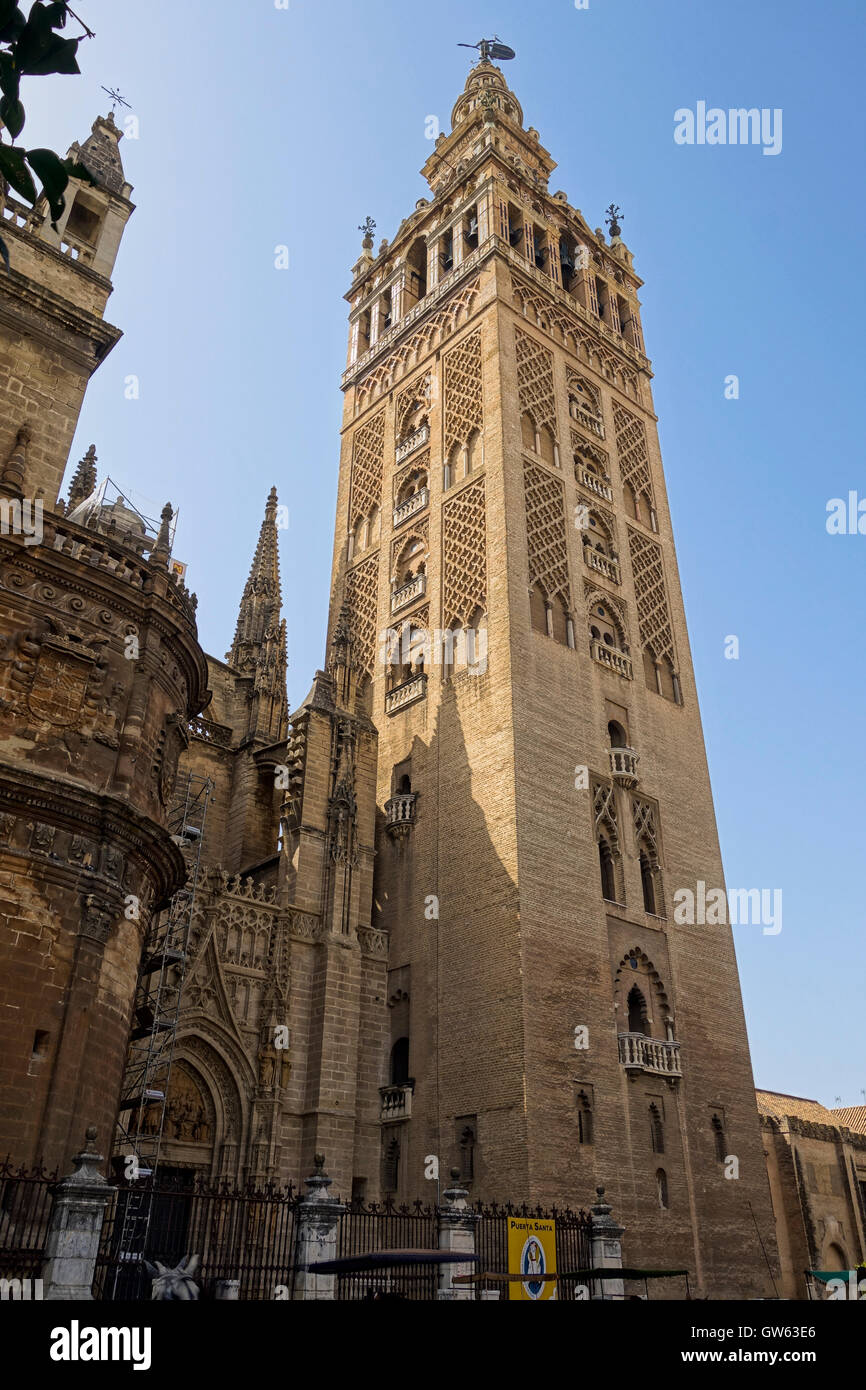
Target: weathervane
x,y
491,48
612,216
116,99
368,227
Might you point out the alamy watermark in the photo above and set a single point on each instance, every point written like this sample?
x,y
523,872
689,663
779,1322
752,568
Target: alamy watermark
x,y
742,907
714,125
21,517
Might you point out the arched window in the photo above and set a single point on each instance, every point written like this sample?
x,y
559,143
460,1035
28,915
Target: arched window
x,y
404,788
648,882
473,452
662,1188
637,1012
538,609
584,1119
608,878
529,432
391,1166
616,734
657,1132
467,1153
400,1062
721,1143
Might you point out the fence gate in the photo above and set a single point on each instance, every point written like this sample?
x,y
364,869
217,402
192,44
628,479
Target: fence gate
x,y
26,1198
384,1226
246,1234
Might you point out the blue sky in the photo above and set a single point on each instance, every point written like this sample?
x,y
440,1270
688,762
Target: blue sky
x,y
262,126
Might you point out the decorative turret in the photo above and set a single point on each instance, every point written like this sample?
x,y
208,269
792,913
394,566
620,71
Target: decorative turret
x,y
259,648
83,483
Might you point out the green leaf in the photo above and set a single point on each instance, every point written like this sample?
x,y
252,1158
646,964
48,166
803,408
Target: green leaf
x,y
12,116
79,171
39,58
4,252
15,171
49,169
10,77
56,14
12,21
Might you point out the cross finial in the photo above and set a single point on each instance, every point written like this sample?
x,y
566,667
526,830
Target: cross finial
x,y
116,99
612,217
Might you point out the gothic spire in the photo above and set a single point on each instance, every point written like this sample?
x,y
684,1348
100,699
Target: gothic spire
x,y
83,483
259,614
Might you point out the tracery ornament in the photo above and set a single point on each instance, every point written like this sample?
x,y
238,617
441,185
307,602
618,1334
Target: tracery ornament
x,y
362,586
631,448
604,813
410,352
653,614
580,338
464,410
464,554
409,401
545,533
535,381
368,453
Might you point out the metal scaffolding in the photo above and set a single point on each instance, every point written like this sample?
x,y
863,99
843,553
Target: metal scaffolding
x,y
155,1020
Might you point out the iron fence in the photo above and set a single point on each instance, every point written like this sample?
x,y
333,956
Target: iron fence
x,y
385,1226
573,1244
26,1197
245,1234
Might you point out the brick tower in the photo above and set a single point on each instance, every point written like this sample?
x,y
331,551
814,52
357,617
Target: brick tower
x,y
505,559
100,671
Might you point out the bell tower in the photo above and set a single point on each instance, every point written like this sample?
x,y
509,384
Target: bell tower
x,y
505,561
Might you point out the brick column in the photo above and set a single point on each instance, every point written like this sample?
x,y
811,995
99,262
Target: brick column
x,y
76,1227
456,1233
318,1218
606,1241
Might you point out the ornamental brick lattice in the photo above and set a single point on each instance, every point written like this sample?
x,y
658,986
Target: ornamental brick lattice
x,y
631,448
367,458
362,584
653,614
464,410
535,381
464,550
545,533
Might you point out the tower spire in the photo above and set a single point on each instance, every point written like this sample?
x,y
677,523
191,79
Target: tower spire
x,y
259,611
83,483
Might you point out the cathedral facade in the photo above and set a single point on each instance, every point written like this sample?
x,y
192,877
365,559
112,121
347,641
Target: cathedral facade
x,y
433,924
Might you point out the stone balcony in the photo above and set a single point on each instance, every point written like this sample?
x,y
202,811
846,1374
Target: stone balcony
x,y
599,486
411,507
400,813
395,1103
414,441
611,657
602,564
406,694
589,421
640,1053
623,766
415,589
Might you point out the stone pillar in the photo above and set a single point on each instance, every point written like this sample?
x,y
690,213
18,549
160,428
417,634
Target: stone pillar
x,y
76,1226
606,1241
456,1233
318,1218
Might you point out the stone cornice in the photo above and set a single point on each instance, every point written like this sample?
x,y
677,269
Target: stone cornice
x,y
105,819
48,316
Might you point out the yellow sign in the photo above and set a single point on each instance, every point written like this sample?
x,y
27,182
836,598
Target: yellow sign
x,y
531,1252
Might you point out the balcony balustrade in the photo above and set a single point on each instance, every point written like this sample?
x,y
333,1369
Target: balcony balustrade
x,y
416,440
406,694
639,1053
611,657
395,1103
623,766
416,588
411,507
602,564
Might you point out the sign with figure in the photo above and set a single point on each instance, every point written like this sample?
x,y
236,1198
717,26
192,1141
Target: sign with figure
x,y
532,1252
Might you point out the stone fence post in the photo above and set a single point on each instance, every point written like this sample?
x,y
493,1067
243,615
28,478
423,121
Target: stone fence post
x,y
76,1226
606,1242
318,1220
457,1225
